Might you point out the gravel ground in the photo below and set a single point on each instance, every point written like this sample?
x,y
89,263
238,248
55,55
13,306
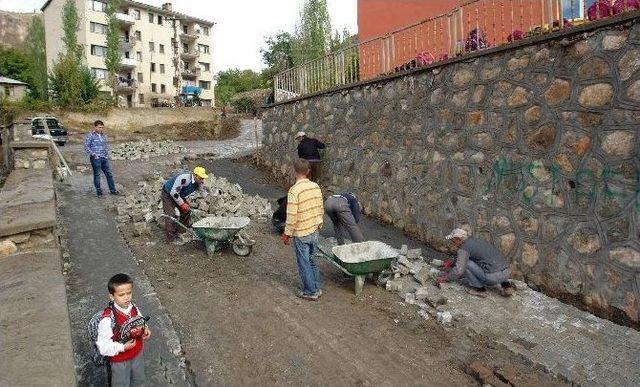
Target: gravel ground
x,y
239,322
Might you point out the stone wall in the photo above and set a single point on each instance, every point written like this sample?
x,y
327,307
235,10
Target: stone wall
x,y
533,148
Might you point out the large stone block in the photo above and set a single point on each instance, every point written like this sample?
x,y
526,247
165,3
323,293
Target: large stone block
x,y
542,138
629,64
595,96
558,92
619,143
626,255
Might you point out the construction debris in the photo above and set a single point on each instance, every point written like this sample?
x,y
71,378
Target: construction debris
x,y
144,149
224,199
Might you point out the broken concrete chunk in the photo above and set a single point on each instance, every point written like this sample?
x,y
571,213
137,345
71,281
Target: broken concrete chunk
x,y
424,276
7,248
445,318
141,228
404,261
414,253
403,250
436,263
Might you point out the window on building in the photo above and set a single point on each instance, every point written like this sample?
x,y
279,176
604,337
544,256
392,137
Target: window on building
x,y
160,20
98,50
185,47
99,6
136,14
204,66
138,35
205,31
152,47
99,73
203,48
140,78
139,56
161,68
153,87
140,98
185,29
205,84
161,48
163,88
573,9
150,17
153,67
98,28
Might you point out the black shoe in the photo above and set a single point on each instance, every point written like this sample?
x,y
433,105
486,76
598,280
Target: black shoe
x,y
116,192
99,193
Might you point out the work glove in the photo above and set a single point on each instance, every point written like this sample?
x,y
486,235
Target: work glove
x,y
285,239
184,207
447,264
442,279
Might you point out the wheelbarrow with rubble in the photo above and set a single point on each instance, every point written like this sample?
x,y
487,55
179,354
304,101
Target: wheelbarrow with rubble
x,y
218,231
358,260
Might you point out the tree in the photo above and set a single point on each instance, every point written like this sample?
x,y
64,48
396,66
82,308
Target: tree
x,y
14,64
278,55
234,81
313,32
112,57
66,73
37,59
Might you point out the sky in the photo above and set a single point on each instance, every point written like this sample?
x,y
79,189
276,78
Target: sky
x,y
241,25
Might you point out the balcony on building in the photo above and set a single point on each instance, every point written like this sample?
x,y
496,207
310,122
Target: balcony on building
x,y
125,19
125,85
127,63
127,42
188,33
189,55
190,73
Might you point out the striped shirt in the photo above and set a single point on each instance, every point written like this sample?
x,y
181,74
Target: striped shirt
x,y
304,208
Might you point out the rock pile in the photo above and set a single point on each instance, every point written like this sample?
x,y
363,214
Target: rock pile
x,y
224,199
144,149
414,279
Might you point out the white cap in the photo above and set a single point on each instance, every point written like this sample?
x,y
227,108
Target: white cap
x,y
457,233
300,134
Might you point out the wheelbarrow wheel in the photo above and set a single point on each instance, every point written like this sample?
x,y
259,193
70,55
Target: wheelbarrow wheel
x,y
241,249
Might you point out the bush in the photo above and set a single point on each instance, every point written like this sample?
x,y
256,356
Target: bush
x,y
11,109
243,105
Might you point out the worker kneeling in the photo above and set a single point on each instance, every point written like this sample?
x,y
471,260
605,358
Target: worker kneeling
x,y
344,211
478,264
174,195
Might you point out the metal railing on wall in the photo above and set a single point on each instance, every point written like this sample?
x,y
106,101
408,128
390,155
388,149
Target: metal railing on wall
x,y
476,25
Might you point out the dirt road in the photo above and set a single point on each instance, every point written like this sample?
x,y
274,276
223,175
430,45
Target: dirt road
x,y
239,322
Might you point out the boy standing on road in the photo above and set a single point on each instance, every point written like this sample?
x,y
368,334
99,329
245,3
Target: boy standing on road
x,y
126,360
304,218
96,147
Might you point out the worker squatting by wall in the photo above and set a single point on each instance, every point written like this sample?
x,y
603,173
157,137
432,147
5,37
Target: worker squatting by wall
x,y
534,148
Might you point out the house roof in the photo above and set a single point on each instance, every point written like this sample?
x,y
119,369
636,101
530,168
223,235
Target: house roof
x,y
9,81
156,9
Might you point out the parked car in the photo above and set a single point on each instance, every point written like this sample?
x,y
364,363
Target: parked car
x,y
58,132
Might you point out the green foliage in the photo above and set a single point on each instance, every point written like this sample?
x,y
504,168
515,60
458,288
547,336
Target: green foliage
x,y
11,109
37,59
313,32
14,64
90,85
70,26
231,82
278,55
243,105
112,58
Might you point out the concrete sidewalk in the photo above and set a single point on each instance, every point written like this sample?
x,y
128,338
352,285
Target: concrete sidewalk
x,y
97,251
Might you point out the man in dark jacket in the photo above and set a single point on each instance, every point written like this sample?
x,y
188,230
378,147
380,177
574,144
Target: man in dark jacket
x,y
308,149
478,264
344,211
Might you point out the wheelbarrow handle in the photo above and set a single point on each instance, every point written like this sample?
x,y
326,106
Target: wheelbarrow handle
x,y
176,221
330,258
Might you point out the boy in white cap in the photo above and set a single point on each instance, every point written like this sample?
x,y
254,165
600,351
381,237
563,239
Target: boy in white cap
x,y
478,264
308,149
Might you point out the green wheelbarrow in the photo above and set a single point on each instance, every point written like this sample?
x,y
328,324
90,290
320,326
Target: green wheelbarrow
x,y
218,231
360,259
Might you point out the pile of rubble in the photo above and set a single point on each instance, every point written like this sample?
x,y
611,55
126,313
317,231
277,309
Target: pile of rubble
x,y
144,149
224,199
414,279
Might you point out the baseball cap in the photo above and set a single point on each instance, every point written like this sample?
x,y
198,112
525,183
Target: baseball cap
x,y
457,233
200,172
300,134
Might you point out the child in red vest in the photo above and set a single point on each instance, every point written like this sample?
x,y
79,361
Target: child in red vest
x,y
126,360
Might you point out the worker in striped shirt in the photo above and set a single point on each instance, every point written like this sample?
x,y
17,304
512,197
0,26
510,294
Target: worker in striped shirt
x,y
304,219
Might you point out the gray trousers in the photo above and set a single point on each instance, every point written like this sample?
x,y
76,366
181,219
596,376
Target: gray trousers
x,y
475,277
344,224
128,373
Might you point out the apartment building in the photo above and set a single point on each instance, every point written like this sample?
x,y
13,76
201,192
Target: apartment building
x,y
164,54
